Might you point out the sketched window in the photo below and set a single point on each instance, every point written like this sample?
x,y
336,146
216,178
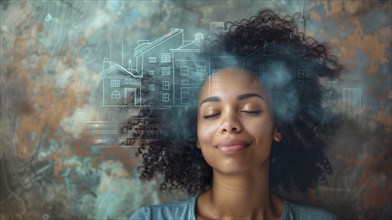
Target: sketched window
x,y
301,73
152,59
269,51
151,72
151,87
115,83
184,95
165,85
309,74
300,83
166,70
184,70
201,70
115,95
185,82
165,57
165,97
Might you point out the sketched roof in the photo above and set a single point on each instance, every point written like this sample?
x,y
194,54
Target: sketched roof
x,y
272,44
116,66
190,46
148,46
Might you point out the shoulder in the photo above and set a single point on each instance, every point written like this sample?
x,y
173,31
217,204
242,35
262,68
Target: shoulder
x,y
180,209
293,211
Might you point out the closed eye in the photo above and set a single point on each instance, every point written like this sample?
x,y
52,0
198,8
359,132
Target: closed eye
x,y
211,115
252,112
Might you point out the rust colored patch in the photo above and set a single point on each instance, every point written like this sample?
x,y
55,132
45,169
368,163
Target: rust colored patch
x,y
51,106
16,72
62,53
82,41
374,162
58,167
315,16
384,118
375,198
81,150
40,27
369,91
21,43
25,107
369,44
373,45
124,155
389,186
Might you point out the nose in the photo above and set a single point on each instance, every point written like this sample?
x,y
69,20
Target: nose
x,y
231,124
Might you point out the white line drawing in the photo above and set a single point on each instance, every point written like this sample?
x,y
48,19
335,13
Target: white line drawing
x,y
189,69
120,86
175,68
331,95
172,64
156,59
352,103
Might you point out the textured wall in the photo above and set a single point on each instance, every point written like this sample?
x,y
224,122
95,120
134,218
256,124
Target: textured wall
x,y
58,153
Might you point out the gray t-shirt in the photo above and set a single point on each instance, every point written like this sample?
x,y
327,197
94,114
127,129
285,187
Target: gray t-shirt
x,y
185,209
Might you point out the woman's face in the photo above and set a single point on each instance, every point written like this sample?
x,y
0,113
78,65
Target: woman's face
x,y
235,125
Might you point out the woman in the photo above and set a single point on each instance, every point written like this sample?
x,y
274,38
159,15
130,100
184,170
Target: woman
x,y
261,127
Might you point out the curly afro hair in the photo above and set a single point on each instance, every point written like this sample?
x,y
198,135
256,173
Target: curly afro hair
x,y
299,160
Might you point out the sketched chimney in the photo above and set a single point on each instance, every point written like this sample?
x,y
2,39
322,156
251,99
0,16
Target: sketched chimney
x,y
106,63
130,65
198,38
303,20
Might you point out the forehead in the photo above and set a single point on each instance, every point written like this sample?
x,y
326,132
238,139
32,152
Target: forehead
x,y
229,81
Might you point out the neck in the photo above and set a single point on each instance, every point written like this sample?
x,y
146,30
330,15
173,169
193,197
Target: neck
x,y
242,196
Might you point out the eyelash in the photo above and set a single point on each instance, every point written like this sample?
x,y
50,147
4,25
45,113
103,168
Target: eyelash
x,y
210,116
249,112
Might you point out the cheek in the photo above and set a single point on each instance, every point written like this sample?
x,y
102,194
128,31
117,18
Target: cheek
x,y
205,132
262,129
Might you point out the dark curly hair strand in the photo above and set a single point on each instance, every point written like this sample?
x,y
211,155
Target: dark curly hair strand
x,y
297,162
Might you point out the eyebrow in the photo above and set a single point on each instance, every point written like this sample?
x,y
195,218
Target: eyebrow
x,y
240,97
249,95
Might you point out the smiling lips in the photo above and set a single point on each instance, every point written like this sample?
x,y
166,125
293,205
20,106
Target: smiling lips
x,y
231,146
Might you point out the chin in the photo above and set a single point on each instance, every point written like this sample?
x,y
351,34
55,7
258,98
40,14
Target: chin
x,y
232,168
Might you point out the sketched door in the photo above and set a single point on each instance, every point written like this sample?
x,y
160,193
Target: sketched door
x,y
130,96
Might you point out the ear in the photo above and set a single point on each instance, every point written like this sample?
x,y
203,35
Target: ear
x,y
198,144
277,135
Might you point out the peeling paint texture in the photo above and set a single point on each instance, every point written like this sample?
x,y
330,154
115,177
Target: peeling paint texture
x,y
59,156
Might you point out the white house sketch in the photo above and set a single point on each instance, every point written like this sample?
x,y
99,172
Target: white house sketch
x,y
173,68
155,59
190,68
120,86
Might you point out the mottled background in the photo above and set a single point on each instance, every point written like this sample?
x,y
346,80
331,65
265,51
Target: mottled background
x,y
58,151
